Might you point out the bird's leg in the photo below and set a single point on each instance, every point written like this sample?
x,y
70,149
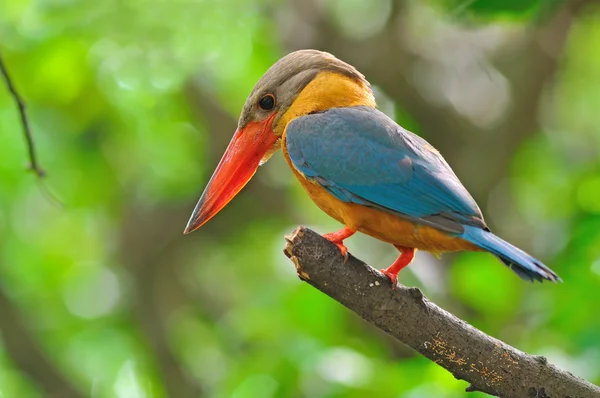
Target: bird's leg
x,y
406,256
337,238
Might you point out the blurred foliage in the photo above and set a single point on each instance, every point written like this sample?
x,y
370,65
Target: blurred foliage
x,y
500,9
131,105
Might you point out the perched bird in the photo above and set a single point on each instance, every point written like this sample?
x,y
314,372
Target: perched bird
x,y
356,164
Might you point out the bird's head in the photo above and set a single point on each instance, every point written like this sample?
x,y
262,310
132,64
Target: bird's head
x,y
300,83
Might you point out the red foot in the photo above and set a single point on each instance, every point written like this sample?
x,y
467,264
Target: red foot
x,y
337,238
343,250
406,256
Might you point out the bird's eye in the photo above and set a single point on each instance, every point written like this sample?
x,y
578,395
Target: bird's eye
x,y
267,102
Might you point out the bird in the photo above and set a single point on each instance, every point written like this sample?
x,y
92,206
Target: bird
x,y
357,164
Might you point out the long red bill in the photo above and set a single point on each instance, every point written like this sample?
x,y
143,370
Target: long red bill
x,y
236,168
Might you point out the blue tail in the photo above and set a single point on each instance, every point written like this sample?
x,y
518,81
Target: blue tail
x,y
527,267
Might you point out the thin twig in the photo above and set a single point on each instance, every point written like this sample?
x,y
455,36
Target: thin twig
x,y
33,162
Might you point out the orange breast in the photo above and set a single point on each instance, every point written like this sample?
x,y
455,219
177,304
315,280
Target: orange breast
x,y
380,224
329,90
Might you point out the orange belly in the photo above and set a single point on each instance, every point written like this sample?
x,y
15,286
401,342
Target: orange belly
x,y
380,224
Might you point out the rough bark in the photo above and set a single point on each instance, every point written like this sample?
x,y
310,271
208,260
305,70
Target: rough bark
x,y
488,364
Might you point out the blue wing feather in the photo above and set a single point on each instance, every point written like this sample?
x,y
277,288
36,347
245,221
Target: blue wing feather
x,y
360,155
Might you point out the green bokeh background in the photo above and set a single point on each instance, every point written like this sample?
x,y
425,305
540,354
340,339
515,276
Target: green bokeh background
x,y
132,103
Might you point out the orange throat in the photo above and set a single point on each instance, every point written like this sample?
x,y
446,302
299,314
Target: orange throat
x,y
332,90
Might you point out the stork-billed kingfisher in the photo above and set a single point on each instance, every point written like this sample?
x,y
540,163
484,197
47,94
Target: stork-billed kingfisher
x,y
356,164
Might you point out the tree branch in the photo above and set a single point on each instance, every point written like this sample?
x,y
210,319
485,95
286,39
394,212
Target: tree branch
x,y
22,347
144,251
488,364
33,162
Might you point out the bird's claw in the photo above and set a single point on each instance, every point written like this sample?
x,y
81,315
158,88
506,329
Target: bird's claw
x,y
343,250
337,238
392,276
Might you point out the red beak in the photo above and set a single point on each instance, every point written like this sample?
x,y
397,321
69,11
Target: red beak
x,y
236,168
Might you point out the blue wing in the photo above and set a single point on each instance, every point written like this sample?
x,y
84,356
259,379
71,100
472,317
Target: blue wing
x,y
360,155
